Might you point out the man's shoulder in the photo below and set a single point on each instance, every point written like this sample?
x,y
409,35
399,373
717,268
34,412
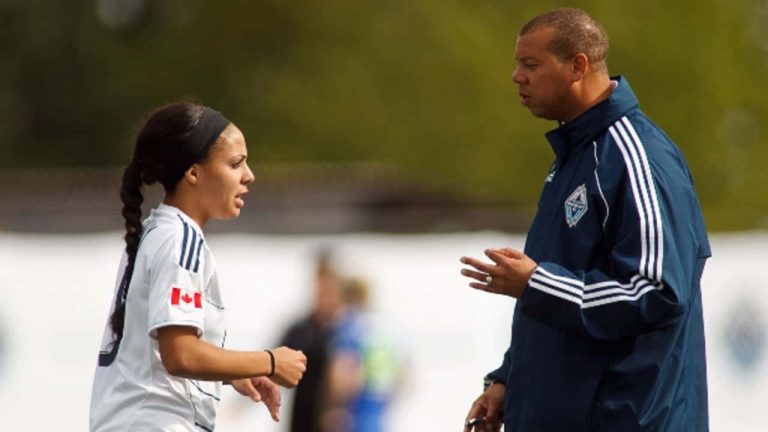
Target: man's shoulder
x,y
635,147
635,136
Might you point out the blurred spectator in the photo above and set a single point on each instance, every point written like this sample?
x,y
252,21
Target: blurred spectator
x,y
312,335
364,370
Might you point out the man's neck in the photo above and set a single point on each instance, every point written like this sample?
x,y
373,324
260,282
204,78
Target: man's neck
x,y
593,90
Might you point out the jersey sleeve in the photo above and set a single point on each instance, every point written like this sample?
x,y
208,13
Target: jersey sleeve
x,y
175,290
655,254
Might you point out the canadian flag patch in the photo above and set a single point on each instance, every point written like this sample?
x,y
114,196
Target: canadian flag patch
x,y
180,297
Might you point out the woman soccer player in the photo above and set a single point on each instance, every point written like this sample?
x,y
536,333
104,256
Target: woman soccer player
x,y
162,360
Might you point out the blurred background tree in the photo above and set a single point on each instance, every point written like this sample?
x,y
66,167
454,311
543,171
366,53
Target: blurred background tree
x,y
420,84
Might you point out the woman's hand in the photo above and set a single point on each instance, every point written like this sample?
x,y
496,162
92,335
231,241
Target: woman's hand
x,y
290,366
261,389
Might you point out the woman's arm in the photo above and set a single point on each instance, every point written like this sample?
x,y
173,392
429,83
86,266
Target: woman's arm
x,y
184,354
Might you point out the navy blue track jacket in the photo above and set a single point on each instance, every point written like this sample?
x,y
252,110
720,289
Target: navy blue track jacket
x,y
608,335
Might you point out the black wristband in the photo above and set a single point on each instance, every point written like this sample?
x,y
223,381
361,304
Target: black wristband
x,y
272,362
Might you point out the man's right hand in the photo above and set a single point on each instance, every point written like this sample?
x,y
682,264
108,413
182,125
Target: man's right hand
x,y
487,407
289,366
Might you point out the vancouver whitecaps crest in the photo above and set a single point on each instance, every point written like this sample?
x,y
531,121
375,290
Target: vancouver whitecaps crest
x,y
576,206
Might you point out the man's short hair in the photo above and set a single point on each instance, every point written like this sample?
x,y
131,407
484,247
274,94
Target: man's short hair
x,y
575,32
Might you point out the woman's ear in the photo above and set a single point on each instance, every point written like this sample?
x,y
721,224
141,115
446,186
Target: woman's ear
x,y
192,175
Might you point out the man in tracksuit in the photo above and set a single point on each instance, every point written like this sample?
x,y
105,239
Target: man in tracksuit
x,y
607,333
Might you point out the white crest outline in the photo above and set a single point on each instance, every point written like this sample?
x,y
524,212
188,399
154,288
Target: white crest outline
x,y
576,206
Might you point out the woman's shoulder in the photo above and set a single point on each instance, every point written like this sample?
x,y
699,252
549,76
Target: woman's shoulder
x,y
172,235
167,222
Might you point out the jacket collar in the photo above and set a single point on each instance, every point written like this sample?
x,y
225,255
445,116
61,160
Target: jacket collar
x,y
593,121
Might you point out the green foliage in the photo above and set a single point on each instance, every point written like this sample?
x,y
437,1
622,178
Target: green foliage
x,y
422,84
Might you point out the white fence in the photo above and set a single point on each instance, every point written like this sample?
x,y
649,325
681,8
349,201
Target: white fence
x,y
55,292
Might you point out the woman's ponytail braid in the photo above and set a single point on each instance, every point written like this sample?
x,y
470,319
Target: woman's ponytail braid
x,y
130,194
159,145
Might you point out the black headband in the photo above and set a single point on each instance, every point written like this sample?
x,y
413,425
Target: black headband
x,y
204,133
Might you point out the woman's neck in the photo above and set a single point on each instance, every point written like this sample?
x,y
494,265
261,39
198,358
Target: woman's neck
x,y
187,206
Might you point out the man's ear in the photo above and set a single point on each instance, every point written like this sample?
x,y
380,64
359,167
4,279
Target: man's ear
x,y
579,67
192,174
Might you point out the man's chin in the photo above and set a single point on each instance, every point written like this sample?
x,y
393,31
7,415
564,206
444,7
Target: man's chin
x,y
538,113
542,114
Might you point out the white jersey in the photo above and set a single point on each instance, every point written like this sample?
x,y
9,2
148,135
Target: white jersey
x,y
174,283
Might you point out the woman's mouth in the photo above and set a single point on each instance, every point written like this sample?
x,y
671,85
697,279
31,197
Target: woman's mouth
x,y
239,201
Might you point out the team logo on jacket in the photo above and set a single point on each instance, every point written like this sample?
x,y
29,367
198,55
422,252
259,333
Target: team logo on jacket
x,y
576,206
551,175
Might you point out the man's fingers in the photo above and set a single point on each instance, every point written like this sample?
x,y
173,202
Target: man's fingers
x,y
511,253
479,265
493,423
481,287
477,410
493,413
495,255
474,274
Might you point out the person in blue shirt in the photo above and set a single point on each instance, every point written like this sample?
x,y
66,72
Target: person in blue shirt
x,y
607,332
365,367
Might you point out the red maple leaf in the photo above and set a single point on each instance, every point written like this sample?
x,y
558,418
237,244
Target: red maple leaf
x,y
186,298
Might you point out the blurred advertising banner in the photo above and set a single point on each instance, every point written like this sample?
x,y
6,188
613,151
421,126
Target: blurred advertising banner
x,y
56,291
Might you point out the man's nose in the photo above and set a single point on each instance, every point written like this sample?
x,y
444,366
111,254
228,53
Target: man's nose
x,y
516,76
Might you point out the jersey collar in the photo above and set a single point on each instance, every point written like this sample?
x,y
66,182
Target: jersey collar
x,y
593,121
175,212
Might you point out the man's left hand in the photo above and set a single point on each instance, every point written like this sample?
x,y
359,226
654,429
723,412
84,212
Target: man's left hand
x,y
508,275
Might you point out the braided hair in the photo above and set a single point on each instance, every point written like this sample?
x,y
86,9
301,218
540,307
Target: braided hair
x,y
159,144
